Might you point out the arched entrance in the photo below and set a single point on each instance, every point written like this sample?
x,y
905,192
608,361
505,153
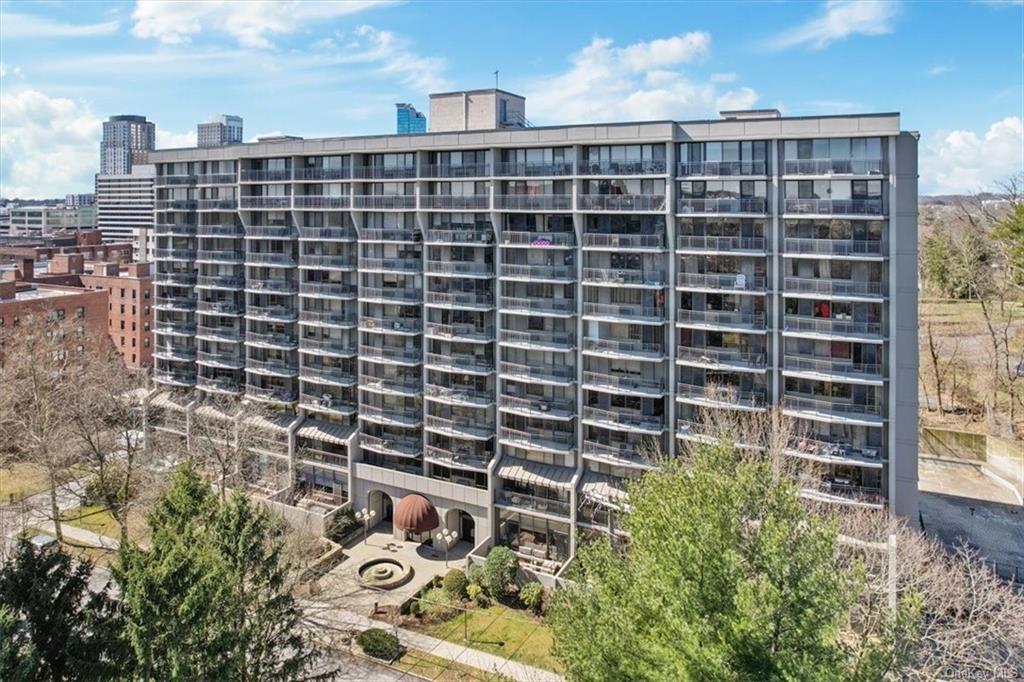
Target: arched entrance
x,y
462,523
380,502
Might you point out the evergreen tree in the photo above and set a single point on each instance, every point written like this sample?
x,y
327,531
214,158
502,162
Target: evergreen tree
x,y
52,627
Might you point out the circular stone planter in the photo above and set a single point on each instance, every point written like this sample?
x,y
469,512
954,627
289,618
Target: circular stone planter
x,y
384,573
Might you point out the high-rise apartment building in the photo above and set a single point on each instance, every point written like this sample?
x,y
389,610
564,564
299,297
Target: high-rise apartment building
x,y
127,139
74,200
219,131
408,120
124,208
510,323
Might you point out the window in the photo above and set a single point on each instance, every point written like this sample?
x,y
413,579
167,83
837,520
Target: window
x,y
80,312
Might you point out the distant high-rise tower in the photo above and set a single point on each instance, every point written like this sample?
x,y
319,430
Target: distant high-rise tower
x,y
220,131
126,140
409,120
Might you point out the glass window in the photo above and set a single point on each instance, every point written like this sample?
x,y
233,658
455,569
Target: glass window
x,y
839,148
804,149
820,149
730,151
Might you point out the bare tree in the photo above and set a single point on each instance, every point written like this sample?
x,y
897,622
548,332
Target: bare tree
x,y
944,361
222,436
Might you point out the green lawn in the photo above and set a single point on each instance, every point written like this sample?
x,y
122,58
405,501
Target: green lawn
x,y
501,631
99,520
440,669
20,481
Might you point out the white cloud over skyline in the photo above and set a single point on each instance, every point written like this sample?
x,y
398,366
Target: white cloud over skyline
x,y
840,19
962,161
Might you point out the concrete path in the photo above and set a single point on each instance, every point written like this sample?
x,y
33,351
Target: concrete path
x,y
333,617
80,536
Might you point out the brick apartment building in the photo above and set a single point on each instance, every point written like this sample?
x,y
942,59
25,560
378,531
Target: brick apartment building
x,y
88,243
20,300
129,312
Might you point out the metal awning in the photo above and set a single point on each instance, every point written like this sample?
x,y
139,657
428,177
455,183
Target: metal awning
x,y
280,424
604,489
339,434
535,473
164,400
213,413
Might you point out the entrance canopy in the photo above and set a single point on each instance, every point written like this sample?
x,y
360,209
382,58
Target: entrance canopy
x,y
416,514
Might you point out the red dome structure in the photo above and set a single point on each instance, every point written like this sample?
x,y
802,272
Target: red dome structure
x,y
416,514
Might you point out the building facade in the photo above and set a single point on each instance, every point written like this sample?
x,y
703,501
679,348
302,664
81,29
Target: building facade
x,y
124,208
409,121
87,310
220,131
126,140
42,221
129,306
79,199
511,322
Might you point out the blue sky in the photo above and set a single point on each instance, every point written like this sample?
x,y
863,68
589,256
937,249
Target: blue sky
x,y
954,70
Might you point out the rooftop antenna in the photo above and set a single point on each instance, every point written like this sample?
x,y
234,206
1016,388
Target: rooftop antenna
x,y
495,80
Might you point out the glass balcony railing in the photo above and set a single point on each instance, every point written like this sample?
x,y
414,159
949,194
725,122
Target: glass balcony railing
x,y
384,201
458,456
331,346
539,407
400,355
836,247
533,202
227,359
276,202
217,179
221,307
387,324
725,395
275,367
174,378
227,385
232,282
623,167
271,394
178,230
553,374
484,234
698,169
229,204
460,362
270,232
175,204
399,447
624,419
758,205
390,264
708,243
479,202
460,427
546,439
341,318
271,285
284,260
307,233
459,395
832,406
543,505
271,312
833,366
617,454
281,340
474,268
528,169
260,175
834,206
831,326
182,353
460,299
174,254
328,289
334,376
833,167
834,287
389,235
229,231
220,333
557,273
384,172
394,414
170,180
179,278
612,381
327,261
539,306
460,332
625,348
622,202
399,385
558,341
227,256
466,170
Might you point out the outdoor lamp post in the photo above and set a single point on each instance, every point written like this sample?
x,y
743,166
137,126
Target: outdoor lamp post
x,y
365,516
448,537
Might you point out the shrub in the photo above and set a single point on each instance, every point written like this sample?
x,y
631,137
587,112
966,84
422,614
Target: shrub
x,y
379,644
455,583
474,592
532,595
500,570
107,490
476,574
341,523
437,605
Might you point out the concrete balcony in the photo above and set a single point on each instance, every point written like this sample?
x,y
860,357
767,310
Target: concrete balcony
x,y
618,454
484,235
228,231
830,326
533,202
539,374
538,239
686,243
227,282
550,341
281,260
391,415
321,173
723,205
624,242
221,359
539,408
390,235
617,203
460,362
466,170
714,169
175,205
225,256
614,312
383,172
459,427
260,175
231,308
627,384
848,248
406,326
381,202
548,440
854,207
270,285
273,313
391,354
833,167
539,273
331,234
810,407
220,333
217,204
280,368
311,201
728,282
722,358
721,319
634,167
460,332
391,295
330,376
447,202
722,396
391,385
627,349
174,377
620,276
270,232
834,369
335,318
314,261
177,278
175,254
279,203
459,396
834,287
333,290
277,340
556,307
623,420
174,230
217,179
397,265
271,395
458,457
531,169
459,268
180,353
396,447
460,299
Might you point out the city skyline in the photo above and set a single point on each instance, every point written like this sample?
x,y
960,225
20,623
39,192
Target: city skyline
x,y
349,63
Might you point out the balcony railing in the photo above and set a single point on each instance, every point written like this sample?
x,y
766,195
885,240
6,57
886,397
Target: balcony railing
x,y
179,278
458,456
528,169
549,374
314,173
221,333
273,339
221,307
460,332
622,168
402,355
697,169
284,260
326,233
270,232
565,273
174,254
834,406
538,239
230,359
721,281
459,395
615,311
276,367
437,267
562,341
459,299
543,505
328,289
639,277
404,416
276,202
327,261
544,408
833,167
723,394
384,201
176,378
854,493
624,382
336,376
722,318
484,234
175,302
621,202
706,243
548,439
272,312
732,357
326,402
259,175
389,235
219,384
332,346
391,384
533,202
217,204
383,172
168,180
831,325
271,394
619,454
217,179
183,353
466,170
625,419
402,325
835,206
401,447
232,282
270,285
174,230
229,256
477,202
757,205
626,347
460,362
229,231
539,306
320,201
624,241
389,264
175,204
343,318
836,247
834,287
391,295
460,427
802,363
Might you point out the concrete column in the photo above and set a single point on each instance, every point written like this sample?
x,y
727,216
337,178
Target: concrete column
x,y
671,300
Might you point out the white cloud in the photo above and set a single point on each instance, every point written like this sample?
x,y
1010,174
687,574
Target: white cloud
x,y
939,69
723,77
10,70
50,146
960,161
387,53
256,137
166,139
14,25
840,19
250,22
608,83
